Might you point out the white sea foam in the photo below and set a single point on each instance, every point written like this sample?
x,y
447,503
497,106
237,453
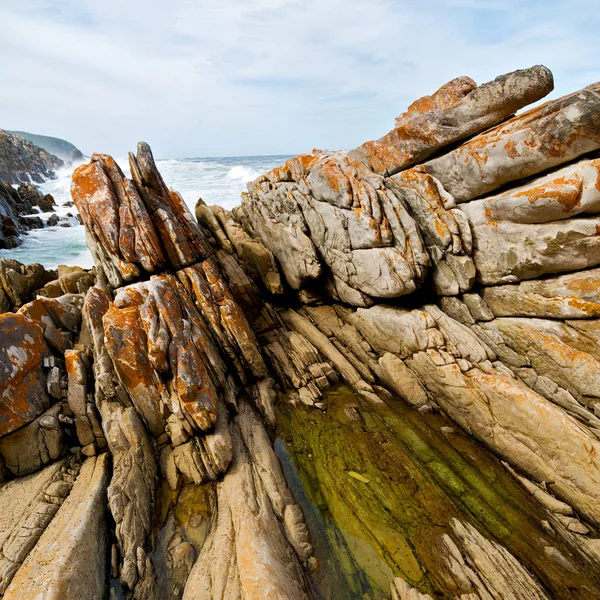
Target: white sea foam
x,y
242,173
215,180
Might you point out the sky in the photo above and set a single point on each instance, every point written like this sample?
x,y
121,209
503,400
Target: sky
x,y
250,77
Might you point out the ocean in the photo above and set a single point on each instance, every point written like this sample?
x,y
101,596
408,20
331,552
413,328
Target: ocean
x,y
215,180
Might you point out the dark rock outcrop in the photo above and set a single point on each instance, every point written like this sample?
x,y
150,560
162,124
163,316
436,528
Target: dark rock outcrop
x,y
64,150
21,161
18,212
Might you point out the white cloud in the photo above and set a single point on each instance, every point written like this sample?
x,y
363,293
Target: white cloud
x,y
200,78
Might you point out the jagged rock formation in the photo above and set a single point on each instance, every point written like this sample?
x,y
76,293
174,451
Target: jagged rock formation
x,y
379,377
22,161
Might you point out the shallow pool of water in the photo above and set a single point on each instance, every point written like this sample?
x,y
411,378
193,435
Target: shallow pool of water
x,y
380,484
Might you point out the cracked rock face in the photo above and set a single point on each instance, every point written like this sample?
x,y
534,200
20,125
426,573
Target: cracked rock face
x,y
378,377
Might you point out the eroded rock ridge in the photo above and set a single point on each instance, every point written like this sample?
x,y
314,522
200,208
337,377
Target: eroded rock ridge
x,y
378,377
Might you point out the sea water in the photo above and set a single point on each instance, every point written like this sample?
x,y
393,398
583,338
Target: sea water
x,y
215,180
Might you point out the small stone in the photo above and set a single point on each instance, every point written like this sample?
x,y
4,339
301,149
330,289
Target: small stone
x,y
89,449
578,527
54,383
358,477
313,565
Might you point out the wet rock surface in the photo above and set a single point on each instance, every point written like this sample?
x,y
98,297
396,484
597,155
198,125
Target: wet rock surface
x,y
19,208
378,377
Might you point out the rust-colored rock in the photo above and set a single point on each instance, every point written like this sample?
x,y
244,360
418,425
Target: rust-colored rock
x,y
22,379
59,318
134,226
542,138
174,347
456,111
389,415
126,342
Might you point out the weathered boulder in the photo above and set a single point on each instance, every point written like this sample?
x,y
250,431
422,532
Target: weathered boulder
x,y
542,138
538,228
456,111
22,379
46,203
70,559
137,226
36,444
366,239
19,282
29,196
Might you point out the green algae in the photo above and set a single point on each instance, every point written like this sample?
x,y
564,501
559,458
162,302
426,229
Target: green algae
x,y
419,479
193,511
184,518
340,576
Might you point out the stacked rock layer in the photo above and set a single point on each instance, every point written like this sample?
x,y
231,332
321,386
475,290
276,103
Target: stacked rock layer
x,y
378,377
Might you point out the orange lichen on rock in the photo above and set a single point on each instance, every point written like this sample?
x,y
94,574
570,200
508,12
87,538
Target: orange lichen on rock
x,y
97,204
138,239
234,320
23,394
537,140
137,225
456,111
449,95
126,343
163,353
566,191
55,318
182,238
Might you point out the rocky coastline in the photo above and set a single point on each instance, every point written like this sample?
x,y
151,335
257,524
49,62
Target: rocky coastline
x,y
21,161
378,377
22,165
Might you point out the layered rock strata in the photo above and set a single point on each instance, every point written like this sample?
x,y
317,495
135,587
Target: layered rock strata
x,y
378,377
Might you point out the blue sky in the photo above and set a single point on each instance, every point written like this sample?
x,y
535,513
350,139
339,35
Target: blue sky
x,y
237,77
